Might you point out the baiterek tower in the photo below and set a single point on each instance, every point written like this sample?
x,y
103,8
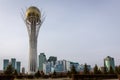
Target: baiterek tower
x,y
33,22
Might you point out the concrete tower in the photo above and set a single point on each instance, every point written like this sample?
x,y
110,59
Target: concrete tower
x,y
33,22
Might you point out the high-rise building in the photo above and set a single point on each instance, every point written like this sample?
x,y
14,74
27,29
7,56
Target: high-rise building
x,y
59,66
52,59
42,59
65,65
5,63
68,66
47,67
109,62
13,63
23,70
75,64
33,20
18,66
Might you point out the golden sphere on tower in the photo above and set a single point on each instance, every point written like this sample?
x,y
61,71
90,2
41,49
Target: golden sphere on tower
x,y
33,11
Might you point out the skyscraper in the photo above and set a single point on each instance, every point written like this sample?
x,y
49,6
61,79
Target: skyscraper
x,y
33,20
47,68
59,66
18,66
52,59
109,62
42,59
23,70
13,63
5,63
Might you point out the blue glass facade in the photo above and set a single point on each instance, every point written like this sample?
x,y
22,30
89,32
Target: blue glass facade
x,y
18,66
62,66
47,68
81,67
75,65
52,59
5,63
42,59
109,62
59,67
13,63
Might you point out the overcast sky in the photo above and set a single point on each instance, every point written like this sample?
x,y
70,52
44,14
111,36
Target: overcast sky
x,y
84,31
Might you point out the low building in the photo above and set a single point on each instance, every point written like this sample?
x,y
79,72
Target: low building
x,y
81,68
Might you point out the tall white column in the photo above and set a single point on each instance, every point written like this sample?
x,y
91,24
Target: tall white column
x,y
33,22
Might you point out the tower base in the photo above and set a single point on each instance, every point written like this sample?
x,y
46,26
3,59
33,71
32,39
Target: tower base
x,y
31,73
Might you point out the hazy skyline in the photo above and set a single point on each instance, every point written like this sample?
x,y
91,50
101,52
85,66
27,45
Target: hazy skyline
x,y
84,31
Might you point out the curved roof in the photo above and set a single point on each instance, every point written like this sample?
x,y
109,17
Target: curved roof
x,y
33,9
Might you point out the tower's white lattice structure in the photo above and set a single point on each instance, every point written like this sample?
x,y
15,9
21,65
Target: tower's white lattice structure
x,y
33,22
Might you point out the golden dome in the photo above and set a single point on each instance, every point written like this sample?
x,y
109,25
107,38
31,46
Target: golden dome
x,y
33,10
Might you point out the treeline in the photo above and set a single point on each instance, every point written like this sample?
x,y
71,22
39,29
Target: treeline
x,y
10,72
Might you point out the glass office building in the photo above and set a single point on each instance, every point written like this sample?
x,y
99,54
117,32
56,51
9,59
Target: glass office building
x,y
42,59
18,66
5,64
52,59
13,63
109,62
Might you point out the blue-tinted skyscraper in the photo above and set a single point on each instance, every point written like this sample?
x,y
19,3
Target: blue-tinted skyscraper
x,y
109,62
75,65
5,63
18,66
59,66
42,59
52,59
47,67
23,70
13,63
